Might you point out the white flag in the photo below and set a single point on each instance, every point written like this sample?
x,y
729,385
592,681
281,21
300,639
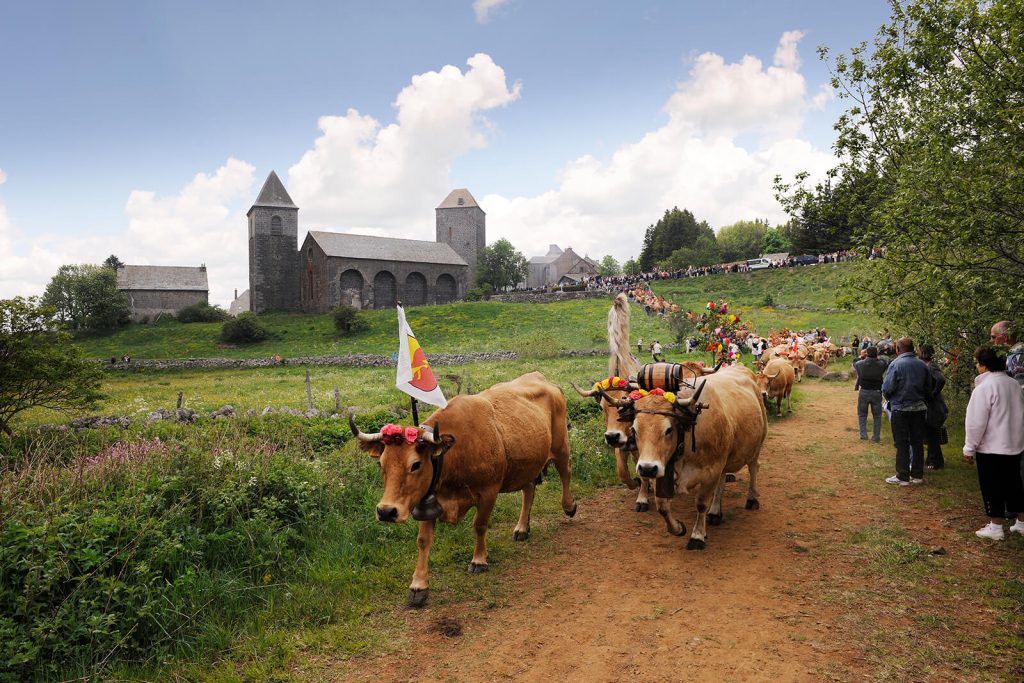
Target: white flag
x,y
414,374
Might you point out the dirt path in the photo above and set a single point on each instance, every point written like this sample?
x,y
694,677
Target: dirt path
x,y
771,599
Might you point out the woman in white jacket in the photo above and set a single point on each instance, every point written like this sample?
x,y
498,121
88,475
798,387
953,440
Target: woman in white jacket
x,y
994,438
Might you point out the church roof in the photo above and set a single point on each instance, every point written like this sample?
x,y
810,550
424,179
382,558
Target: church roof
x,y
452,201
274,194
174,278
347,245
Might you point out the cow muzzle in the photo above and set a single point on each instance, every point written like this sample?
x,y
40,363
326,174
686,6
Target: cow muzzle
x,y
648,469
615,438
387,513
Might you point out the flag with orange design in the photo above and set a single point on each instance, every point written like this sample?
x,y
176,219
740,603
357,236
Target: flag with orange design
x,y
414,374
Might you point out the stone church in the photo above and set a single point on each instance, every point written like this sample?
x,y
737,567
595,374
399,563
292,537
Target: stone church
x,y
334,268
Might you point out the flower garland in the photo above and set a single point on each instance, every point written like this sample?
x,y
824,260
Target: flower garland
x,y
611,383
394,434
638,394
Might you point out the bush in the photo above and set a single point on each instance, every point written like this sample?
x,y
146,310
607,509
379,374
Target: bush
x,y
481,292
768,301
244,329
202,313
348,319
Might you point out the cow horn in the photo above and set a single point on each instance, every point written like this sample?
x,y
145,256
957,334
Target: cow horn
x,y
617,402
717,368
584,394
434,435
775,375
362,436
687,402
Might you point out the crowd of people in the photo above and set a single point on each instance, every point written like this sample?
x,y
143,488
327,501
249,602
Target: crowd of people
x,y
908,389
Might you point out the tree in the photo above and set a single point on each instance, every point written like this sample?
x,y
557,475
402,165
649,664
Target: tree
x,y
704,252
245,329
741,241
631,267
113,263
86,297
776,240
348,319
933,137
676,229
39,367
831,215
501,266
608,267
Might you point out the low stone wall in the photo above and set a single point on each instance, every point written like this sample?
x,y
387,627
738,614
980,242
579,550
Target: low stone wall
x,y
361,360
549,297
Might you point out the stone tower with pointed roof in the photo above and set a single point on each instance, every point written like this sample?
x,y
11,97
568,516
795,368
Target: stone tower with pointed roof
x,y
461,223
273,250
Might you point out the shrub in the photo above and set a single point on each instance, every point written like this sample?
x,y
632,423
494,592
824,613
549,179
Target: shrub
x,y
481,292
244,329
202,313
348,319
768,301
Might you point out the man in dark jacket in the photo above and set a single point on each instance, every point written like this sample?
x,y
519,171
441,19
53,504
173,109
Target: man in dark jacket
x,y
870,371
937,411
908,388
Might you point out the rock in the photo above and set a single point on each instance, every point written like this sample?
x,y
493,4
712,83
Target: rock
x,y
267,411
814,370
937,551
223,412
836,376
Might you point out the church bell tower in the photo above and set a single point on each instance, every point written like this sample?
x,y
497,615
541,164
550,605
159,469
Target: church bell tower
x,y
273,249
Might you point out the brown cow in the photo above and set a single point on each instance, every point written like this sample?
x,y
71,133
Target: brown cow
x,y
730,435
496,441
776,381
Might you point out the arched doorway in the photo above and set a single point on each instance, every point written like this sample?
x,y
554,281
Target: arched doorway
x,y
415,291
352,288
446,291
384,290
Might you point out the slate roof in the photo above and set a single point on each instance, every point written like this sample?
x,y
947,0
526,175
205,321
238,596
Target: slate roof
x,y
274,194
452,200
173,278
347,245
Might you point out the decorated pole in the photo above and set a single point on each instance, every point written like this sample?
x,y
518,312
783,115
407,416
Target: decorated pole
x,y
414,375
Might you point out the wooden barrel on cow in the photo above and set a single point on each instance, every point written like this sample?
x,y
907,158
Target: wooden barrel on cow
x,y
660,376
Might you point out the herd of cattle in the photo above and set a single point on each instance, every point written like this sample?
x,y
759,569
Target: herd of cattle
x,y
683,425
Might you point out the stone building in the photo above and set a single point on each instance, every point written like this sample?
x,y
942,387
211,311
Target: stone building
x,y
363,271
153,290
558,267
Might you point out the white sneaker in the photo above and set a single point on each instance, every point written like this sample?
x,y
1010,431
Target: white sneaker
x,y
896,480
991,531
1017,528
916,480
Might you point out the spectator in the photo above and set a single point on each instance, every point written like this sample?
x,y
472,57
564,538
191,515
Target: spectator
x,y
935,416
639,345
656,351
994,438
907,386
1002,333
870,372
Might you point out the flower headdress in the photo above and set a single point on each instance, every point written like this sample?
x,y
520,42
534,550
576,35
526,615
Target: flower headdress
x,y
638,394
394,434
611,383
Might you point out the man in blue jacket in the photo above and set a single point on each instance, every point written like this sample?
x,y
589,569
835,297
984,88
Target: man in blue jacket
x,y
908,387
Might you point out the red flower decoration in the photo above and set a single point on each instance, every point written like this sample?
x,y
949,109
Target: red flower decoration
x,y
411,434
658,391
622,384
635,395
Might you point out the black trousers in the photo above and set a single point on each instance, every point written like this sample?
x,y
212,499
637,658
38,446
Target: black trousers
x,y
1001,487
908,434
932,438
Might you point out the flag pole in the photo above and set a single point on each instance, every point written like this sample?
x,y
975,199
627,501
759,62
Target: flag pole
x,y
412,399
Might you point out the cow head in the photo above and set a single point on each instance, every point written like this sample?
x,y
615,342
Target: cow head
x,y
616,432
659,421
410,459
764,383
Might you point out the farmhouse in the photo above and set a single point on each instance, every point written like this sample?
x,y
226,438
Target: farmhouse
x,y
153,290
558,267
333,268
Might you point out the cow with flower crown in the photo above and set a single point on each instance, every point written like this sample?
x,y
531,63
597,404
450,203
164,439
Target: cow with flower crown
x,y
464,455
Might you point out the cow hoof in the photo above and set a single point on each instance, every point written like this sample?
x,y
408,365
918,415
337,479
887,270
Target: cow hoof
x,y
571,513
682,530
752,504
730,477
714,520
475,568
520,535
641,507
417,597
695,544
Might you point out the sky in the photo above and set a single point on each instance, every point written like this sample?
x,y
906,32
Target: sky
x,y
146,129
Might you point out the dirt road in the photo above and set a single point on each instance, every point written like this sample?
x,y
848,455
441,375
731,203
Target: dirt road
x,y
795,591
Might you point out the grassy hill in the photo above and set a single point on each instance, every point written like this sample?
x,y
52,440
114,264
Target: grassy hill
x,y
531,329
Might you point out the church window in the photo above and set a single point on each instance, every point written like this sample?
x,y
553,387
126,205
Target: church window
x,y
461,201
275,225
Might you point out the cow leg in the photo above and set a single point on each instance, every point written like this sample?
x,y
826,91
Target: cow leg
x,y
622,469
522,530
643,501
419,588
752,495
778,406
715,512
480,522
789,397
700,526
672,525
563,463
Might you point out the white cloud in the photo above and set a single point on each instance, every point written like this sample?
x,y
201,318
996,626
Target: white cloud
x,y
484,9
362,174
731,128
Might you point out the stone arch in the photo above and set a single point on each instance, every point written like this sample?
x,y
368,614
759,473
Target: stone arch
x,y
385,290
352,288
415,291
446,289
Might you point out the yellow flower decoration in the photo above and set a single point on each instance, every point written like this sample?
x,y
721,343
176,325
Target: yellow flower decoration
x,y
670,397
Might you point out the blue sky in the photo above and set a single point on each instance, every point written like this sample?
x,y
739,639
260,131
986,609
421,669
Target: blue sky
x,y
146,129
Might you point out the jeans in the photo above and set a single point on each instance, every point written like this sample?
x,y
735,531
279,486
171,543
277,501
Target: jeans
x,y
872,398
908,433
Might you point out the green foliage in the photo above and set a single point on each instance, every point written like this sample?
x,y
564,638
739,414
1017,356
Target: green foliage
x,y
202,313
38,365
481,293
113,262
741,241
609,267
348,319
675,230
631,267
831,215
86,297
501,266
245,329
704,252
776,240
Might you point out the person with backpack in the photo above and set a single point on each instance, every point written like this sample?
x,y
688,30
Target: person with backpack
x,y
936,413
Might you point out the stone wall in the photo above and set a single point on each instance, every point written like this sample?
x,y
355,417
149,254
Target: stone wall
x,y
550,297
148,304
360,360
